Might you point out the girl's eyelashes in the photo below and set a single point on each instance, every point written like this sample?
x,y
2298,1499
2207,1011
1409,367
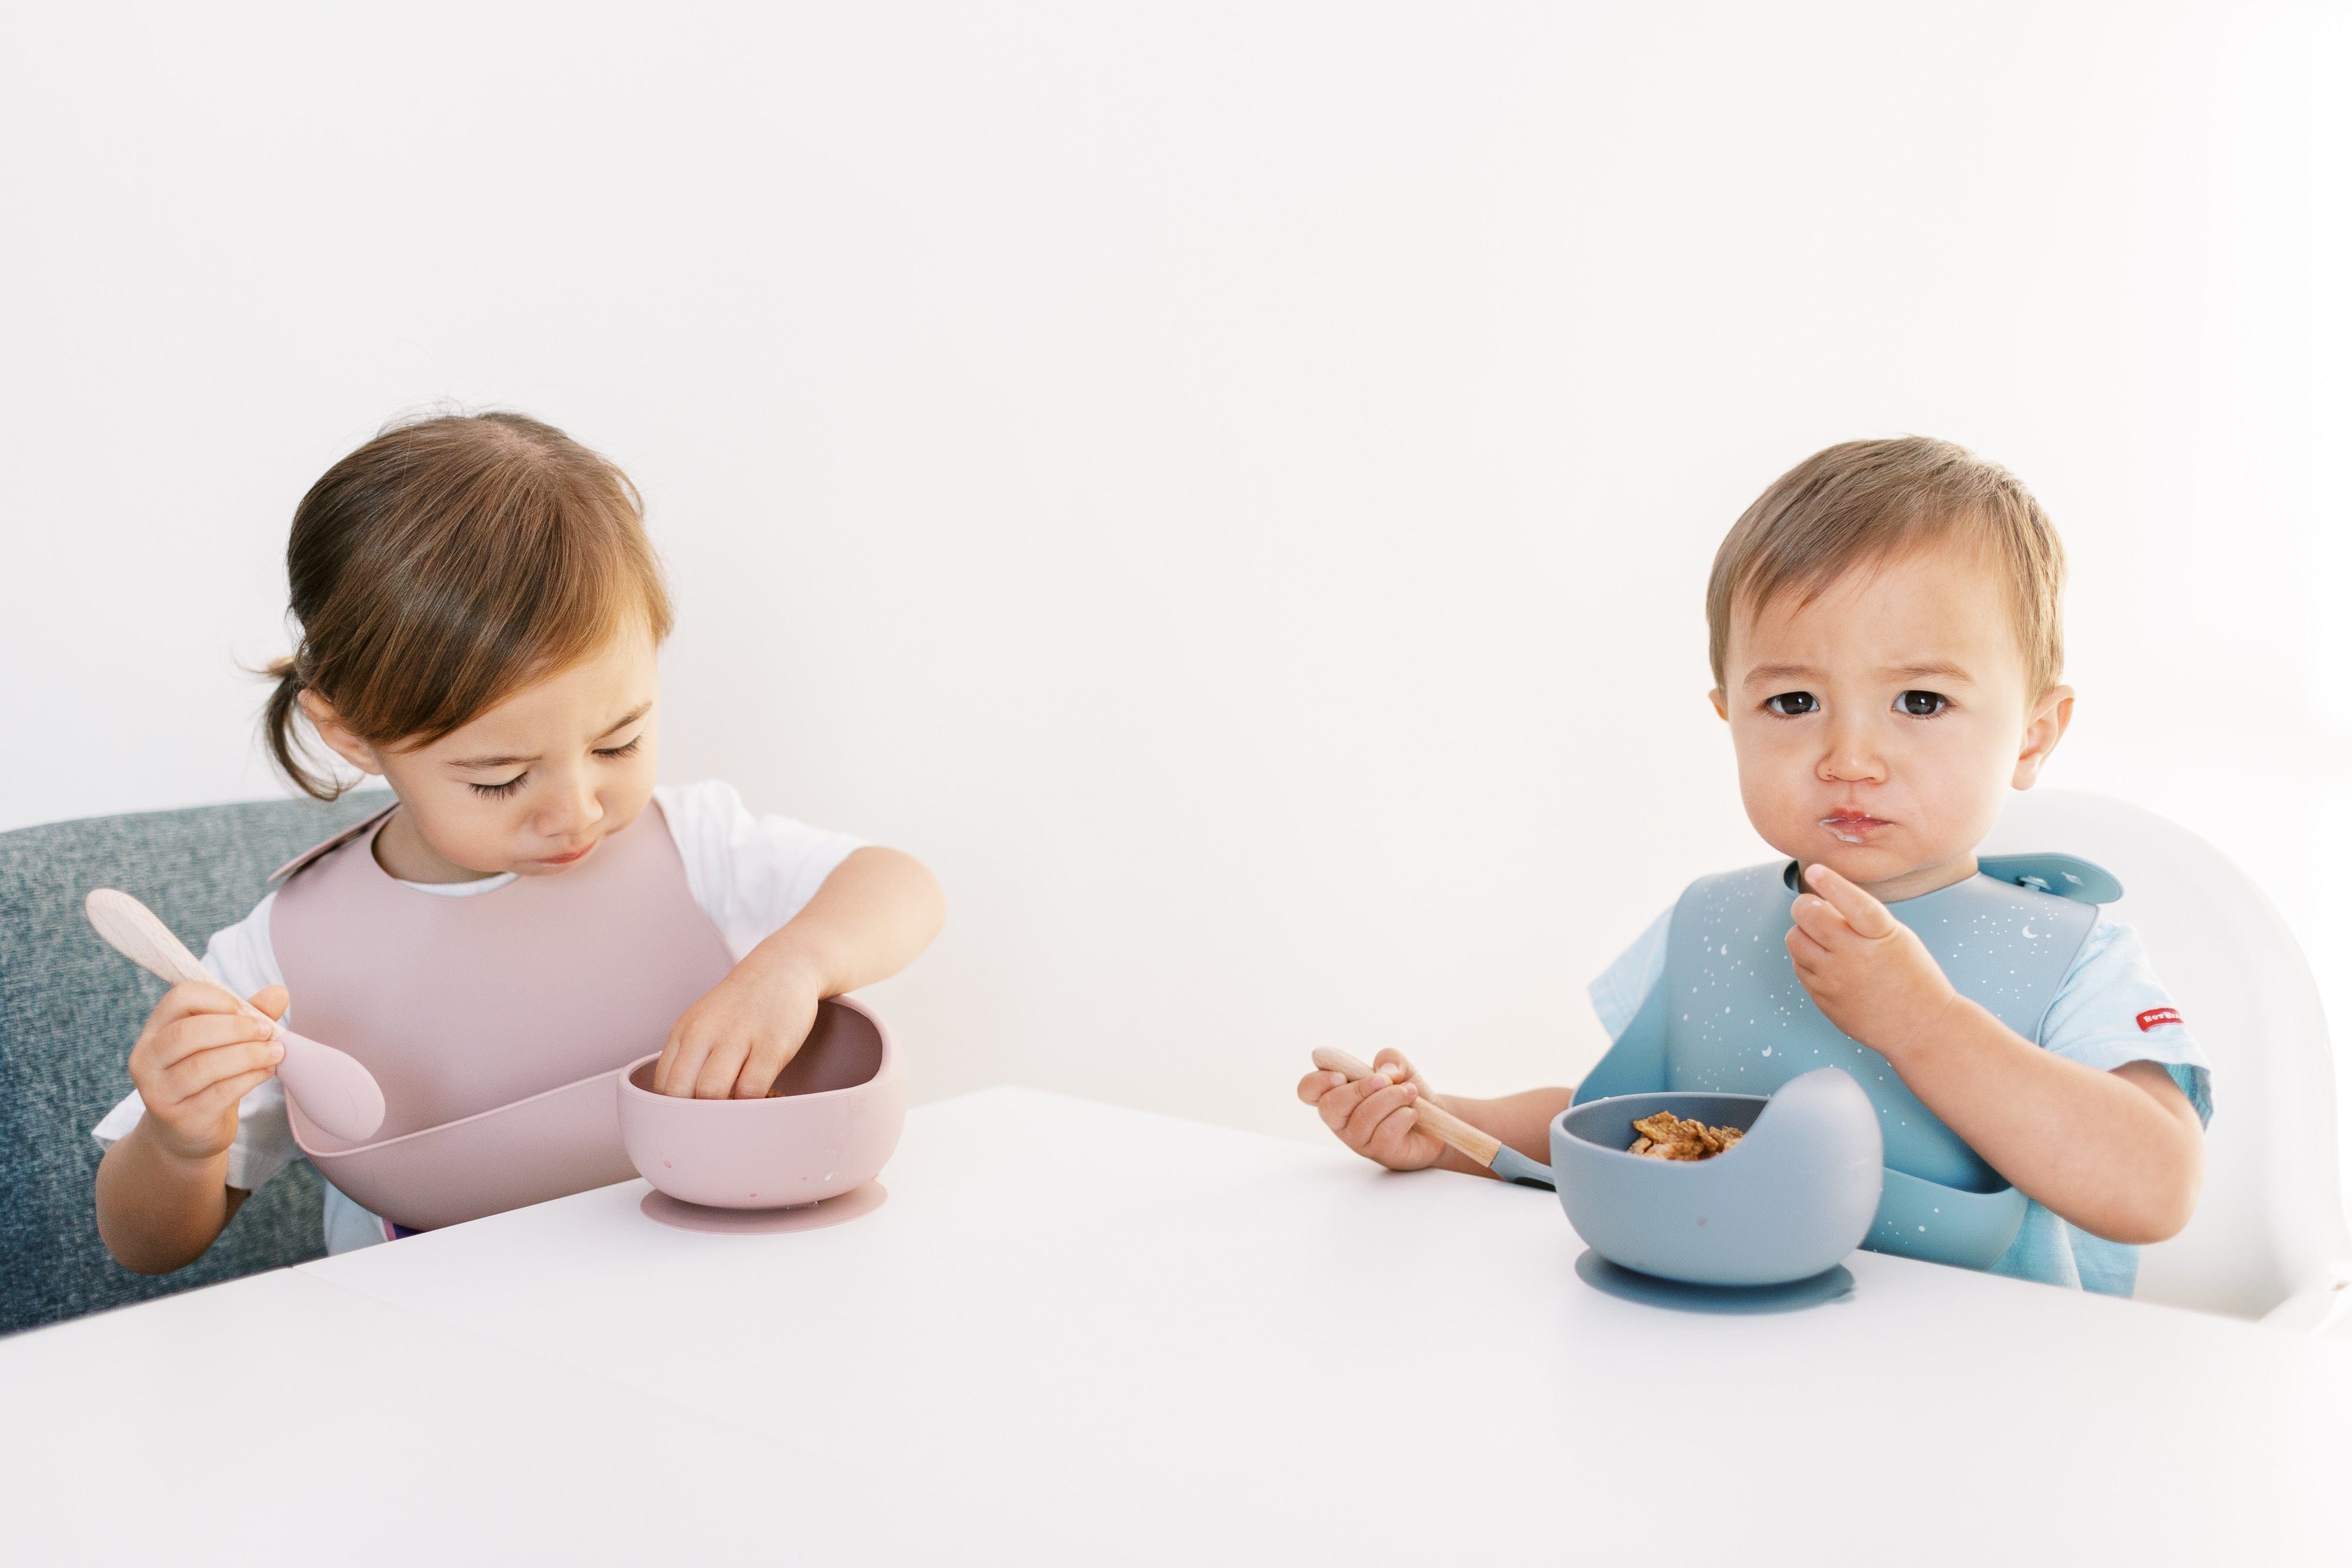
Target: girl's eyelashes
x,y
1921,705
1793,705
501,791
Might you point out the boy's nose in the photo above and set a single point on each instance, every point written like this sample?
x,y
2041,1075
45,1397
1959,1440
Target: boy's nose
x,y
1851,760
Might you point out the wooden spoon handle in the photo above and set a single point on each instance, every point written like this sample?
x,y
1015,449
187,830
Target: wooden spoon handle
x,y
1441,1123
131,929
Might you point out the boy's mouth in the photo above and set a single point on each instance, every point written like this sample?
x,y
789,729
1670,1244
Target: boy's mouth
x,y
1853,827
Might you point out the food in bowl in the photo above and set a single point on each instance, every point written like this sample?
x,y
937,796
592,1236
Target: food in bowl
x,y
1665,1137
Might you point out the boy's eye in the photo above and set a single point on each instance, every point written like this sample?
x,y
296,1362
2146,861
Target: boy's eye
x,y
1922,705
628,750
499,791
1789,704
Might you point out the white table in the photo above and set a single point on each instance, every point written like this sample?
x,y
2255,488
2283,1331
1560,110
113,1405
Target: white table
x,y
1077,1334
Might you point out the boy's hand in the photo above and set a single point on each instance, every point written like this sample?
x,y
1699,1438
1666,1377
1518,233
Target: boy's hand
x,y
198,1057
1374,1115
1867,971
735,1041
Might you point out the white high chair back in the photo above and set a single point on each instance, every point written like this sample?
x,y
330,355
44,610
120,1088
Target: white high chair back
x,y
2270,1226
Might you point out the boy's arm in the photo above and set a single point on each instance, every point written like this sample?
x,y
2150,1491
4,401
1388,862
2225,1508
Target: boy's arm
x,y
2121,1154
1523,1120
1374,1116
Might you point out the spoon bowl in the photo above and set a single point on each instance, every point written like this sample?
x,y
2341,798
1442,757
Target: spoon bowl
x,y
332,1086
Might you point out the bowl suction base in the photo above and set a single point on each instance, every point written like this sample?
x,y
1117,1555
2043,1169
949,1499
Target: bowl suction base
x,y
678,1216
1833,1284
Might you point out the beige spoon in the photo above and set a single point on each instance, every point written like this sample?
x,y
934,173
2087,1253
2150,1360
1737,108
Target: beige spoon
x,y
1448,1128
334,1089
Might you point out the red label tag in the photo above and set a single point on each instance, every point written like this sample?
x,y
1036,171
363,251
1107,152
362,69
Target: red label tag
x,y
2156,1018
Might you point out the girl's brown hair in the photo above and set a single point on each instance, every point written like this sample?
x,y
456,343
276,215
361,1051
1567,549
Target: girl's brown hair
x,y
445,566
1863,503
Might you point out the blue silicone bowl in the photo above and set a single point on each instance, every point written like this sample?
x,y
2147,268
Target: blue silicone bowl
x,y
1793,1196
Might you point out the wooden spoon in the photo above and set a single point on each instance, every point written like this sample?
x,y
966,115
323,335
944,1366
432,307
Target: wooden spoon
x,y
1484,1147
334,1089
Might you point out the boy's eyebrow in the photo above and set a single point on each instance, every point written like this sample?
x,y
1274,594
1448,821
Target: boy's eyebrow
x,y
623,722
1943,667
1766,674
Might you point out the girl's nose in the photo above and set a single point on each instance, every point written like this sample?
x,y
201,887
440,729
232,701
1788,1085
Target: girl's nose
x,y
572,807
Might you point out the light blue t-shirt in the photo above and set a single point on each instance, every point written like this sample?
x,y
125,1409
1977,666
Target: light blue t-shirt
x,y
2110,1010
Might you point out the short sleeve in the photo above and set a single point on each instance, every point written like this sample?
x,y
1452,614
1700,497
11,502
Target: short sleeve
x,y
1627,983
750,874
240,957
2111,1009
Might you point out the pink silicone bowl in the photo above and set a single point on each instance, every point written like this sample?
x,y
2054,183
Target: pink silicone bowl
x,y
830,1125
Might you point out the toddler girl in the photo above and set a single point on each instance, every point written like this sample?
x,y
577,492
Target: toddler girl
x,y
480,612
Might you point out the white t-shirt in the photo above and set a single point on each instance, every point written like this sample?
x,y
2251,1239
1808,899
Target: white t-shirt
x,y
749,874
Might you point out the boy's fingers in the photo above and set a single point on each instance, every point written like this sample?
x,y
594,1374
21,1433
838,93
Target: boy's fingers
x,y
1390,1057
1315,1085
1392,1139
1337,1105
1863,913
1819,919
1805,953
271,1000
1374,1108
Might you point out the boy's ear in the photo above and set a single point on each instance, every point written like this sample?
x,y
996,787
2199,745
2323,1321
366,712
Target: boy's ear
x,y
2044,727
340,740
1721,712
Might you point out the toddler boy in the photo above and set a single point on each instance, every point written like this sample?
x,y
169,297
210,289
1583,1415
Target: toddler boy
x,y
1884,633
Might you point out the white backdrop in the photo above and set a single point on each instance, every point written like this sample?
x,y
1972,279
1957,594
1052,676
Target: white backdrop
x,y
1228,486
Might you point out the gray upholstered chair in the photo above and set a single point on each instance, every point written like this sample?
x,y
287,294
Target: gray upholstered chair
x,y
69,1009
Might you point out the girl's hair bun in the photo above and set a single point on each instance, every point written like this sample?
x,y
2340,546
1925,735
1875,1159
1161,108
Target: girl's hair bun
x,y
446,565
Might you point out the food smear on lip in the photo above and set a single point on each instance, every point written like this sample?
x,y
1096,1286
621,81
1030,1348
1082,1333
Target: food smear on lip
x,y
1853,826
1665,1137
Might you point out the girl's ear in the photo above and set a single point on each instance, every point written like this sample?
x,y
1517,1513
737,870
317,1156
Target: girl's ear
x,y
2045,727
339,739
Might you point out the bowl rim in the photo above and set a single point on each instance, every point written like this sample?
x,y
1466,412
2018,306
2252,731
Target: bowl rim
x,y
883,1070
1560,1123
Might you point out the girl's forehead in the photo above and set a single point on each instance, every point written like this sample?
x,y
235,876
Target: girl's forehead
x,y
585,698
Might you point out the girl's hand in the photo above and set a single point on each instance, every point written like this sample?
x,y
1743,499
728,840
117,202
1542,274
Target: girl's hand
x,y
198,1057
1867,971
1374,1116
735,1041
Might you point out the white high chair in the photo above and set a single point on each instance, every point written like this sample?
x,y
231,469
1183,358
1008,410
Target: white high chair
x,y
2269,1238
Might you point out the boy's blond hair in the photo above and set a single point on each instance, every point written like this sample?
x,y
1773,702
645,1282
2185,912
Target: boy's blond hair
x,y
1864,503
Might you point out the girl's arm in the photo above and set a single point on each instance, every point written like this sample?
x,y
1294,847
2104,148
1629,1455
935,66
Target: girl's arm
x,y
163,1188
874,915
157,1212
2120,1154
